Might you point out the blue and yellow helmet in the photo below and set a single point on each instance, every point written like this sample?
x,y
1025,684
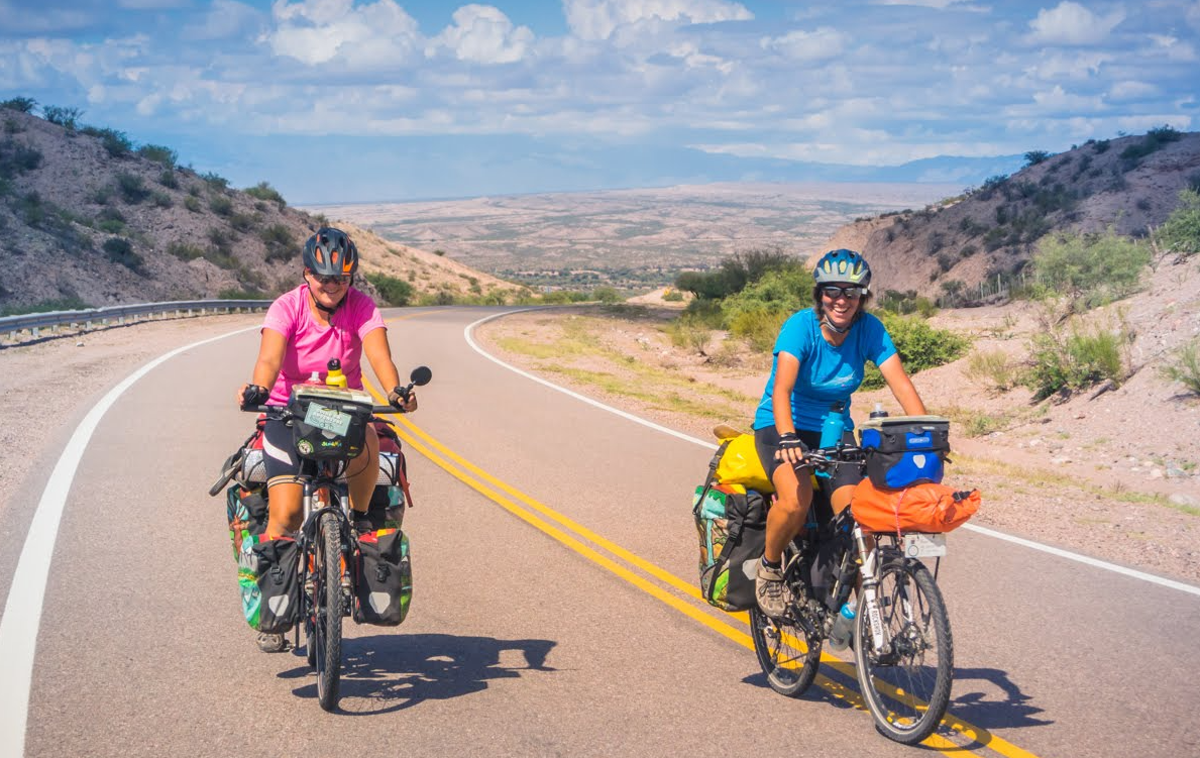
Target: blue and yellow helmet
x,y
842,266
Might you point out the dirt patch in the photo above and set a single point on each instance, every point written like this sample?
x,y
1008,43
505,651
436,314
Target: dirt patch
x,y
1114,474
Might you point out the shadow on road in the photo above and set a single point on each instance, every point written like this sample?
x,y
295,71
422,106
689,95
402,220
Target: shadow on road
x,y
975,700
391,672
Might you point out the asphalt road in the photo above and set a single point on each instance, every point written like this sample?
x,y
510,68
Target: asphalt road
x,y
554,610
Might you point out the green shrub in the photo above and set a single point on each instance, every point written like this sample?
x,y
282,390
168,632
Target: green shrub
x,y
235,293
1034,157
132,188
1089,269
220,205
1073,362
992,367
192,204
168,180
64,117
707,312
673,295
159,154
920,345
688,332
758,327
162,200
777,291
120,250
115,143
1154,141
392,291
264,191
184,251
606,295
215,182
21,104
72,303
1185,367
243,222
16,158
1180,233
279,243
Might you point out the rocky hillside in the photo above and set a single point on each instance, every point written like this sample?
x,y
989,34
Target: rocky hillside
x,y
1130,184
90,219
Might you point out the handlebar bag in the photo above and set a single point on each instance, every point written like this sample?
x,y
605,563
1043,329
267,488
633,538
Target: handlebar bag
x,y
270,583
731,523
928,507
383,590
328,428
906,450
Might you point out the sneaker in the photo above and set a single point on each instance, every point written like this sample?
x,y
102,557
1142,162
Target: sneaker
x,y
770,591
272,643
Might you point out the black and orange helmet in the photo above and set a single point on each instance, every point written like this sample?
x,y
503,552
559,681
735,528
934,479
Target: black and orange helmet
x,y
330,252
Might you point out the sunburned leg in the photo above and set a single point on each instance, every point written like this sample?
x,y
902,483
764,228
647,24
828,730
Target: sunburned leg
x,y
786,516
285,512
363,472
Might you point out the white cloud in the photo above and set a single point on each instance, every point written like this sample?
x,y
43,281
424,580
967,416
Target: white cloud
x,y
1070,23
1076,66
924,3
1131,90
378,34
597,19
225,18
1193,15
807,46
483,34
1172,48
1059,99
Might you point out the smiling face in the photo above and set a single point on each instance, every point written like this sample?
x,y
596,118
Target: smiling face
x,y
328,291
840,302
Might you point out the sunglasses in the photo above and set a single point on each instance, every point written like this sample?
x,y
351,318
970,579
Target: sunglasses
x,y
850,293
331,279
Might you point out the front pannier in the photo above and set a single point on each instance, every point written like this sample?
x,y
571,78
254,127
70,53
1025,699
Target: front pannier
x,y
929,507
905,450
383,591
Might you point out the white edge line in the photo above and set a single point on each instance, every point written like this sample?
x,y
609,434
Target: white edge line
x,y
1094,562
23,609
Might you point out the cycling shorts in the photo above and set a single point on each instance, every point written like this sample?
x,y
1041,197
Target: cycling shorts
x,y
766,442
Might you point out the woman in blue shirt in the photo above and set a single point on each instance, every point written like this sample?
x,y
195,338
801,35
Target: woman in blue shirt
x,y
820,355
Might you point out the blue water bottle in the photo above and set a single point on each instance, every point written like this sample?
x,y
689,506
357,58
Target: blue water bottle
x,y
835,424
843,625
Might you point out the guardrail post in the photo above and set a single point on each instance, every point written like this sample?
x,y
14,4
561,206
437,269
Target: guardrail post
x,y
176,313
34,332
88,326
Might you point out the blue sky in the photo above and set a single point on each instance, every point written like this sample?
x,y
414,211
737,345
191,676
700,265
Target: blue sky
x,y
359,100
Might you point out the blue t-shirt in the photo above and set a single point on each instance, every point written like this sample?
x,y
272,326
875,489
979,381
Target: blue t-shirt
x,y
827,374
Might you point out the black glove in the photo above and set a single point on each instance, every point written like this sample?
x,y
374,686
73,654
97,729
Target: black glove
x,y
791,441
397,398
255,394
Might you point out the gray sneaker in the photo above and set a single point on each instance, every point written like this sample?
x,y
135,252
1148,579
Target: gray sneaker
x,y
770,591
271,643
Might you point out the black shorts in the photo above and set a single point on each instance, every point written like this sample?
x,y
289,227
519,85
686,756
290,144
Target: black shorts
x,y
279,456
766,442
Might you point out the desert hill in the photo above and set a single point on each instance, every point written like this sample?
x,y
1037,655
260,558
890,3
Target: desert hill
x,y
91,220
1129,184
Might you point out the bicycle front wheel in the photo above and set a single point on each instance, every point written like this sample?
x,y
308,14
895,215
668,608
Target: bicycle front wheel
x,y
906,685
327,624
788,651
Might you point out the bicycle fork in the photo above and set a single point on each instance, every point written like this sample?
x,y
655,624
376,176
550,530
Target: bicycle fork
x,y
868,559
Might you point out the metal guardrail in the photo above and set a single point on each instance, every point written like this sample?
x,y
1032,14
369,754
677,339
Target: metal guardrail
x,y
34,322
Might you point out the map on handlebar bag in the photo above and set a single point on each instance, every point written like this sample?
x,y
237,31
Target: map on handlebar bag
x,y
327,419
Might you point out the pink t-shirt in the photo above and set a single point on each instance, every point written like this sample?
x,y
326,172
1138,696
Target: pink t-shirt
x,y
310,345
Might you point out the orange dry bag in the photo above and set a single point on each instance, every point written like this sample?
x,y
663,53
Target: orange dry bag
x,y
921,508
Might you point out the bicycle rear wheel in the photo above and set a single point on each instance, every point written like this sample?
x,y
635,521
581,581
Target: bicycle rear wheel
x,y
907,685
327,624
788,651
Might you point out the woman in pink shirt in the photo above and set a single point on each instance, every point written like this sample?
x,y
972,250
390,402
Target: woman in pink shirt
x,y
321,319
